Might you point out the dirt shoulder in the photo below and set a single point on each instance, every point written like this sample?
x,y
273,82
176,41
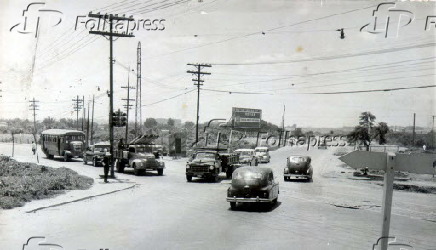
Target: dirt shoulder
x,y
22,182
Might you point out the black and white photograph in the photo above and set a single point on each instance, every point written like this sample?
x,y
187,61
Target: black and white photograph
x,y
217,124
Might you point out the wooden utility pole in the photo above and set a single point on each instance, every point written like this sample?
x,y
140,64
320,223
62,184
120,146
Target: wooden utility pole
x,y
198,83
138,98
111,34
84,111
413,133
77,107
87,128
92,122
127,105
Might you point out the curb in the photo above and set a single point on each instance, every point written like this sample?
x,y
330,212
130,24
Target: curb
x,y
81,199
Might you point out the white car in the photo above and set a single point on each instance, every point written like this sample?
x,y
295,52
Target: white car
x,y
262,154
247,156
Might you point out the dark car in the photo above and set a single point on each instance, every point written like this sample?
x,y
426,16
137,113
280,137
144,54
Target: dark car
x,y
253,185
95,153
298,167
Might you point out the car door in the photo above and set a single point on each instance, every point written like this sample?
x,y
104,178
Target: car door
x,y
275,188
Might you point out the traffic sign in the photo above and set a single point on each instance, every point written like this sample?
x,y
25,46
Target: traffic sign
x,y
421,163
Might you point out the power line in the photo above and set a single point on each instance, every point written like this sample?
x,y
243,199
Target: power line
x,y
169,98
366,53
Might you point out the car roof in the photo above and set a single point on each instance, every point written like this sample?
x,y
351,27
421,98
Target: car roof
x,y
261,148
62,132
244,149
102,144
304,156
261,170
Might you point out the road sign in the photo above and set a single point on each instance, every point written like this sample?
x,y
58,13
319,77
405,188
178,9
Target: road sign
x,y
414,163
389,162
246,118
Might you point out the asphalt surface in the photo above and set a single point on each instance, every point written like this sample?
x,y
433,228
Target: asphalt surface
x,y
166,212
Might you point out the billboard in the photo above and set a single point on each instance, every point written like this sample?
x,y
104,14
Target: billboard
x,y
246,118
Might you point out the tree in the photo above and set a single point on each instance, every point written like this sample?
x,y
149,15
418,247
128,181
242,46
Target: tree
x,y
380,131
366,120
360,134
150,123
189,125
48,122
171,122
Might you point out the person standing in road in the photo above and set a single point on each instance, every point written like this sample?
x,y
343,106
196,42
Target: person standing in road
x,y
106,164
33,147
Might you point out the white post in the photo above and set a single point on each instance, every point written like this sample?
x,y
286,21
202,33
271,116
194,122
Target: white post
x,y
388,189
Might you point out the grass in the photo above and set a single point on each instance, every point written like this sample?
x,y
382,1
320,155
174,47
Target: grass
x,y
23,182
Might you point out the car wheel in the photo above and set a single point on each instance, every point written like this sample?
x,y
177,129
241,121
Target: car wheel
x,y
119,166
275,201
285,179
136,171
84,161
160,171
232,205
189,178
94,162
65,158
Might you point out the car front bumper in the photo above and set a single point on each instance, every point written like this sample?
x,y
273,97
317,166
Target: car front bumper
x,y
307,176
252,199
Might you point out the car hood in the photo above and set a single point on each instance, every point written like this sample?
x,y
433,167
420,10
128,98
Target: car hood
x,y
202,162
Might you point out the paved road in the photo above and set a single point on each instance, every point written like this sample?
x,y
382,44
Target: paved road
x,y
166,212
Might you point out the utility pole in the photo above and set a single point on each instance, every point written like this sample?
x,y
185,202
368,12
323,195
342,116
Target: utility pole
x,y
34,106
87,128
432,133
84,111
128,105
77,106
198,83
110,18
413,134
92,121
138,98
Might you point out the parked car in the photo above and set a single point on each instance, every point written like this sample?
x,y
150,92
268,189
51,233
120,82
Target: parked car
x,y
298,167
253,185
247,156
95,153
262,154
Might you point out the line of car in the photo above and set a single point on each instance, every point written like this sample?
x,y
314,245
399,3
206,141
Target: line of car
x,y
249,183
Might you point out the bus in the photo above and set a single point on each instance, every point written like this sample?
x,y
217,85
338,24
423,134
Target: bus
x,y
63,142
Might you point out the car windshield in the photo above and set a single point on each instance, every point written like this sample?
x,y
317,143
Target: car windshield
x,y
244,153
297,159
100,148
143,149
247,176
204,155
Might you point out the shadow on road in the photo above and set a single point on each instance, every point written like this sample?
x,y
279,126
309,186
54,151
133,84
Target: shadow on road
x,y
255,207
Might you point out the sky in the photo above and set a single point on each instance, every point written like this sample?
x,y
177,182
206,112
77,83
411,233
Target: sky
x,y
264,54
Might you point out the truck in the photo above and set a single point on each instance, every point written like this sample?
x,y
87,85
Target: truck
x,y
208,163
139,154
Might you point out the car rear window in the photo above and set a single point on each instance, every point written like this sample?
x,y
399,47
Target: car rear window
x,y
297,159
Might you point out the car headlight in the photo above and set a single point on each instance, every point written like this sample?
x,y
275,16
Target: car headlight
x,y
266,194
286,170
212,167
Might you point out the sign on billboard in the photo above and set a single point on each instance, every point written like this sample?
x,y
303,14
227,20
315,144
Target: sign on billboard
x,y
246,118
